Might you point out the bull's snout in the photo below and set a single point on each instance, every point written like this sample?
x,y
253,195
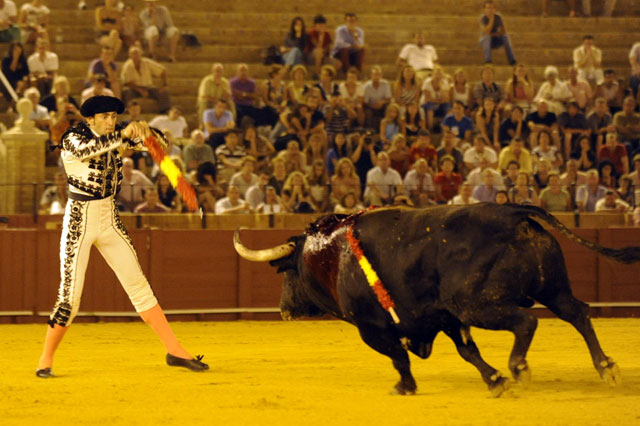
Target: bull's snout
x,y
286,315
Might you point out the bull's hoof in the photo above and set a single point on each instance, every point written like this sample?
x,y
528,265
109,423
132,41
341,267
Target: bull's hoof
x,y
610,373
522,374
499,385
401,389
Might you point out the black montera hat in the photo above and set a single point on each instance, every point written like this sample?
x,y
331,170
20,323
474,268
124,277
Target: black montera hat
x,y
99,104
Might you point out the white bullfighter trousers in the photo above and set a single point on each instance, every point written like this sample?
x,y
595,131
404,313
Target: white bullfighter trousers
x,y
96,222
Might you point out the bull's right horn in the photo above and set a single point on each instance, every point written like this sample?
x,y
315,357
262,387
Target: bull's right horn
x,y
264,255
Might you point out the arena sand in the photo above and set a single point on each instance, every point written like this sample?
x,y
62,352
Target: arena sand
x,y
307,373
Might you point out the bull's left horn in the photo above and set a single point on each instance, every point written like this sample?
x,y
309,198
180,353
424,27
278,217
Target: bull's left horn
x,y
264,255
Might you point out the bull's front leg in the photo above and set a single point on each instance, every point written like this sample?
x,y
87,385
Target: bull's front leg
x,y
387,343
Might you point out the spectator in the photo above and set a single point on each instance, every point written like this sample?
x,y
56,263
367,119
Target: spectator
x,y
447,182
540,120
572,178
197,152
218,121
609,203
319,186
494,33
572,8
345,181
298,88
515,152
134,183
352,91
407,89
137,78
587,195
627,124
422,148
418,183
54,198
294,159
173,121
580,88
232,203
391,125
272,203
435,96
607,174
295,43
626,191
607,8
109,25
319,42
245,94
399,154
339,149
458,123
131,27
105,65
245,178
584,155
383,183
134,111
212,88
615,152
208,190
296,196
98,88
414,120
522,192
502,197
487,88
377,94
480,150
316,150
274,97
64,116
635,174
33,21
418,55
167,195
587,59
229,156
513,127
9,31
152,203
554,91
519,89
611,90
158,27
511,175
43,66
349,204
476,176
600,123
541,176
256,194
634,61
61,89
488,123
258,147
573,124
365,156
488,190
338,115
464,196
349,44
14,67
447,147
553,197
39,114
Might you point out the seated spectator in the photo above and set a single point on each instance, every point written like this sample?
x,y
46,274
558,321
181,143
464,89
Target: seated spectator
x,y
308,121
106,65
399,154
419,56
352,91
14,67
376,96
349,44
615,152
627,124
540,120
344,181
98,88
64,116
43,66
319,186
414,120
635,174
131,31
487,88
349,204
137,77
464,196
488,190
458,123
513,168
572,178
294,159
232,203
476,176
513,127
422,148
230,156
173,121
502,197
258,146
197,152
316,150
383,183
607,8
418,183
9,31
298,88
133,111
634,61
600,123
407,89
609,203
522,192
39,114
274,97
587,59
587,195
515,152
256,193
61,89
158,28
573,124
245,94
448,147
54,198
279,174
553,197
208,190
435,96
340,148
391,125
480,150
134,183
212,88
447,182
152,203
167,195
218,121
541,176
488,123
245,178
338,115
519,90
461,89
611,90
494,33
607,174
365,156
296,195
108,25
580,89
295,43
319,42
272,202
626,191
554,91
33,21
584,155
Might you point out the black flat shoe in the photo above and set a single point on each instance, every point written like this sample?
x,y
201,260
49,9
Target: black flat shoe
x,y
45,373
194,364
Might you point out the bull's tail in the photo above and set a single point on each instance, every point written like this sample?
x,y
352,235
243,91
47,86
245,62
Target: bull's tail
x,y
628,254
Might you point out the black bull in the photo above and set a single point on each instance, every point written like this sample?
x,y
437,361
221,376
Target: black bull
x,y
446,269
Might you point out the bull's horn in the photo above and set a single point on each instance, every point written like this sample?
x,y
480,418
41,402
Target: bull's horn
x,y
264,255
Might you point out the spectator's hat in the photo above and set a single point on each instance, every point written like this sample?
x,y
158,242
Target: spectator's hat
x,y
100,104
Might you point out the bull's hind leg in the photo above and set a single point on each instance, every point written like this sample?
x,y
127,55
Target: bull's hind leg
x,y
575,312
387,343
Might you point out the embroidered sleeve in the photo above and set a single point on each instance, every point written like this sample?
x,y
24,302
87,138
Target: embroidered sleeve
x,y
82,146
137,144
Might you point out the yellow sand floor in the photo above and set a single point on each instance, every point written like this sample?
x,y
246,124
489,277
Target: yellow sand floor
x,y
307,373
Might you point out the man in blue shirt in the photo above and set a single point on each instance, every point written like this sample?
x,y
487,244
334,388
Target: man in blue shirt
x,y
349,44
494,33
459,124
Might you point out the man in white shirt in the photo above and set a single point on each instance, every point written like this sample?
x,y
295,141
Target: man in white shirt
x,y
475,176
588,61
383,183
137,78
377,95
422,57
609,203
464,197
480,150
43,66
173,121
419,183
134,183
8,17
232,203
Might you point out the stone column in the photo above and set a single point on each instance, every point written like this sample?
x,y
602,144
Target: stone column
x,y
24,162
